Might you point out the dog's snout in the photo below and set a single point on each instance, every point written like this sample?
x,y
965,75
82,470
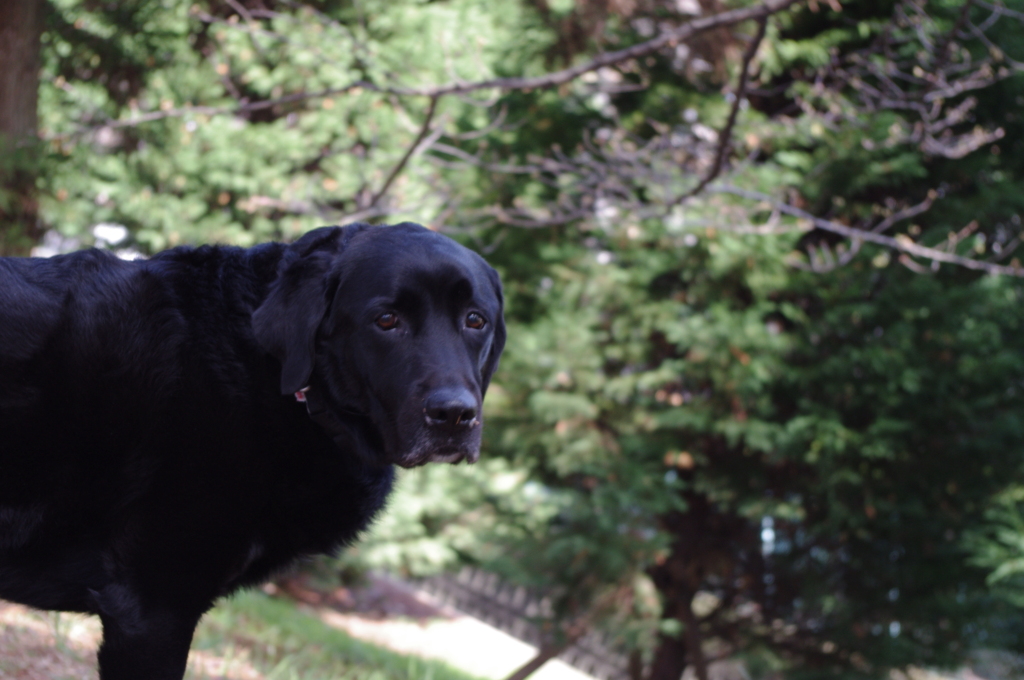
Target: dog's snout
x,y
450,407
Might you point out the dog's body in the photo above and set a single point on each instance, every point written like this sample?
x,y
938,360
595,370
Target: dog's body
x,y
153,453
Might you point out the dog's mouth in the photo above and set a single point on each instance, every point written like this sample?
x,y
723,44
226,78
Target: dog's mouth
x,y
454,457
414,447
436,447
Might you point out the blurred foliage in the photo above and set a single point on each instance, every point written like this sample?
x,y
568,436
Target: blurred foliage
x,y
998,544
803,453
308,149
692,441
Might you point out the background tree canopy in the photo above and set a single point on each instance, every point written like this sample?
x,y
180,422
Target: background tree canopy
x,y
764,391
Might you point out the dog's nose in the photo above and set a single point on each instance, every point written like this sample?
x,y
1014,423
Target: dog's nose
x,y
450,407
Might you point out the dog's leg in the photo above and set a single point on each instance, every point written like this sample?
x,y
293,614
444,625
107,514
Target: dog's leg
x,y
139,642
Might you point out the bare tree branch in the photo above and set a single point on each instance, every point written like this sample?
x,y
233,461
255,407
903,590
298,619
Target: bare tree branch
x,y
906,213
235,109
999,10
474,160
495,124
903,245
251,23
725,135
684,32
924,72
395,171
522,218
553,79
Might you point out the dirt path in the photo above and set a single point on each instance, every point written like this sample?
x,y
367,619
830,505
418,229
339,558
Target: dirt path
x,y
38,645
46,646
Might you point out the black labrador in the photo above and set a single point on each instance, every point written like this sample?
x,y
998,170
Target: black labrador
x,y
176,428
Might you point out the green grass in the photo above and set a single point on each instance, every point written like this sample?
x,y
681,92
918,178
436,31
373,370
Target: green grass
x,y
283,642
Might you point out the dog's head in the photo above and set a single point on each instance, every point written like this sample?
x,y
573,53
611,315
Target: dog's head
x,y
401,327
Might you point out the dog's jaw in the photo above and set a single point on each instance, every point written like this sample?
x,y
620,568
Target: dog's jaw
x,y
428,447
384,442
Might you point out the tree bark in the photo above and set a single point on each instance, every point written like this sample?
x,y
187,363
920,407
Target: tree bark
x,y
21,26
636,665
544,654
693,640
673,653
550,651
669,658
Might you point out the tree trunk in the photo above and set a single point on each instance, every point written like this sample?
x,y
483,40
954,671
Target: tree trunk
x,y
550,651
673,653
21,25
669,659
545,654
694,641
636,665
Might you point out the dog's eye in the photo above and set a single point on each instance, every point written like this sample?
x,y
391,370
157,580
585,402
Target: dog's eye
x,y
387,320
474,320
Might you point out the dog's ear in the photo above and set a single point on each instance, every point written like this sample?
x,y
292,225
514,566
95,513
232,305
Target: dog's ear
x,y
286,324
498,341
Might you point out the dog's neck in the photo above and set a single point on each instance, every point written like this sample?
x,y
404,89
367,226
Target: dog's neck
x,y
316,407
347,436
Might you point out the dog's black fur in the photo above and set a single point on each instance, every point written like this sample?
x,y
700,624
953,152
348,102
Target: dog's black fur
x,y
153,453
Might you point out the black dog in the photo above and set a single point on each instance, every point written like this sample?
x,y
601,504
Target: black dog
x,y
154,453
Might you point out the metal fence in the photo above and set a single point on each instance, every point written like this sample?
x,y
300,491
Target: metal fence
x,y
524,614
